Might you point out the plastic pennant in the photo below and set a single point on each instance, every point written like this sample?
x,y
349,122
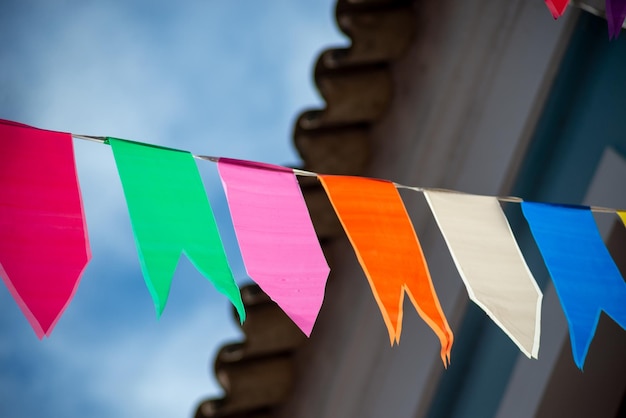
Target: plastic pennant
x,y
380,230
170,215
278,244
557,7
615,15
490,263
44,247
585,276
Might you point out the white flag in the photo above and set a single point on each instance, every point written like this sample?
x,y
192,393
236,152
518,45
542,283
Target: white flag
x,y
490,263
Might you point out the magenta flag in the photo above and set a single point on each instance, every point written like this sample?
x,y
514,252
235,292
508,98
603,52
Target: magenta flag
x,y
278,244
615,15
557,7
43,238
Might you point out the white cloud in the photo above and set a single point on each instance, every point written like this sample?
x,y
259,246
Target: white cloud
x,y
157,373
126,364
213,77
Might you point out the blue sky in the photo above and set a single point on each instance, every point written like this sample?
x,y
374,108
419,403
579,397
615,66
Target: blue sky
x,y
223,78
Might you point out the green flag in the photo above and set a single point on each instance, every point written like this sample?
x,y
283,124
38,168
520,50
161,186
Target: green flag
x,y
170,214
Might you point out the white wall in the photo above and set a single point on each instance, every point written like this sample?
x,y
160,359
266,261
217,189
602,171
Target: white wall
x,y
467,97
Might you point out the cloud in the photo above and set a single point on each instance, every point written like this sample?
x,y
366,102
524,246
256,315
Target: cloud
x,y
108,355
121,374
213,77
152,374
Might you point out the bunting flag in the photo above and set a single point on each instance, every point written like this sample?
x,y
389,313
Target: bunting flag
x,y
615,15
557,7
43,247
170,215
378,226
490,263
278,244
585,276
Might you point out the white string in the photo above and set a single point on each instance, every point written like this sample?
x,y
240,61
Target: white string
x,y
99,139
206,158
592,8
305,173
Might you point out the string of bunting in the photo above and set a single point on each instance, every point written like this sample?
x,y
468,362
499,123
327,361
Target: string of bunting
x,y
45,248
615,13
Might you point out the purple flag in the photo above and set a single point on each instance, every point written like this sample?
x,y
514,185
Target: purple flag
x,y
615,14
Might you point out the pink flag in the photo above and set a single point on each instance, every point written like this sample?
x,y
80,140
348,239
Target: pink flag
x,y
278,243
43,237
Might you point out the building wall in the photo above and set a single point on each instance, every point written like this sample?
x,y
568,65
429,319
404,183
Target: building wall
x,y
467,96
578,155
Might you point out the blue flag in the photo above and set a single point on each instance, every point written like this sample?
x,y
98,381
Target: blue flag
x,y
585,276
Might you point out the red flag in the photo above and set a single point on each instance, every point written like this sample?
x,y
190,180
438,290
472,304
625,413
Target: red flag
x,y
43,238
557,7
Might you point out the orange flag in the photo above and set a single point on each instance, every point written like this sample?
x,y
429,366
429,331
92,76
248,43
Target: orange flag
x,y
378,226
